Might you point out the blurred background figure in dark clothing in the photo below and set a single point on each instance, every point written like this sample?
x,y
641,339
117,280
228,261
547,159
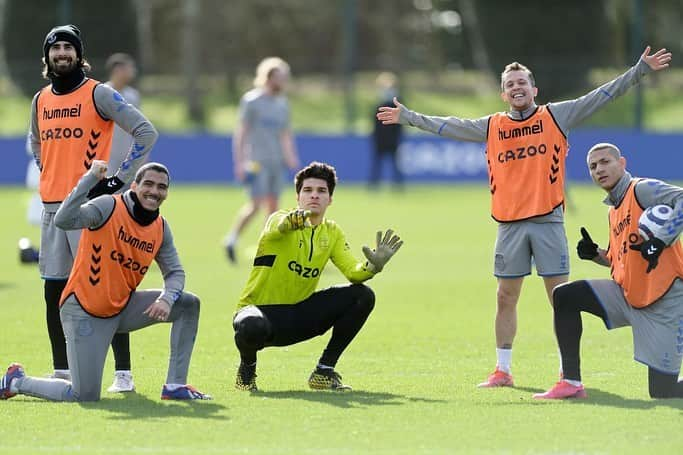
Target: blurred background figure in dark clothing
x,y
385,138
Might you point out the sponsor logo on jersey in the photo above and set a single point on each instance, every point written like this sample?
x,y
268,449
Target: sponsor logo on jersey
x,y
60,133
142,245
536,128
62,112
521,153
622,225
128,262
305,272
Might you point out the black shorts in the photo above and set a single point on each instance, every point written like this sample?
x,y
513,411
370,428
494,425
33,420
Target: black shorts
x,y
311,317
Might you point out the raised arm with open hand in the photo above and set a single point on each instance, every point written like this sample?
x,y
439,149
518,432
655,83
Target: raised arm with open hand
x,y
389,115
387,246
657,61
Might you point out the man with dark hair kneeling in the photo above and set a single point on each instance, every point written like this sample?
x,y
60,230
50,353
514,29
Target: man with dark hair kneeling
x,y
121,236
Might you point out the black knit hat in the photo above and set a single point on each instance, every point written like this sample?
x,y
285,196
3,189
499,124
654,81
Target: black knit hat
x,y
69,33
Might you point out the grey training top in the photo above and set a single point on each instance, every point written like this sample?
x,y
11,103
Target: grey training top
x,y
121,141
266,118
567,114
651,192
111,105
77,212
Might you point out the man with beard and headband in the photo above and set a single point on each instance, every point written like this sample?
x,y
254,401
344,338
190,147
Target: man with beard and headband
x,y
71,125
263,145
526,150
122,235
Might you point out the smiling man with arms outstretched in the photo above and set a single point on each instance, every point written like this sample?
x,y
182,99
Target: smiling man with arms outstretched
x,y
526,149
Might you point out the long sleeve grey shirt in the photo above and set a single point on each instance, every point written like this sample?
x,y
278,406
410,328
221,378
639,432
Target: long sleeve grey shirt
x,y
77,212
568,114
651,192
111,105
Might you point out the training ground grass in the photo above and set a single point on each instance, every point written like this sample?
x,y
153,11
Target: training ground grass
x,y
414,366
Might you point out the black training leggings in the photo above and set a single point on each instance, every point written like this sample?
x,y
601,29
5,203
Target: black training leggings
x,y
120,345
569,300
53,292
342,308
664,385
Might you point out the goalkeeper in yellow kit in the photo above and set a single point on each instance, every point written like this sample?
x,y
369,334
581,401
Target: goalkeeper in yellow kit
x,y
280,305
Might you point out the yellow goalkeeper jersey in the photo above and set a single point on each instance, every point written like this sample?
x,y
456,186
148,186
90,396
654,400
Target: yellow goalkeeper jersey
x,y
287,267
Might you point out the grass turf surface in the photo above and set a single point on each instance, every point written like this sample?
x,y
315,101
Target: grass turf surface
x,y
413,367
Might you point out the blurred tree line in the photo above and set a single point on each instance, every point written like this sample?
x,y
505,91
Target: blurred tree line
x,y
187,39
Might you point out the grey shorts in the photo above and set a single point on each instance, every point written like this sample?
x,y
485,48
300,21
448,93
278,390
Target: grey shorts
x,y
269,180
520,243
57,249
657,329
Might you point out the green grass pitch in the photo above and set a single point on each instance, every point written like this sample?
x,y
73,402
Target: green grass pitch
x,y
414,366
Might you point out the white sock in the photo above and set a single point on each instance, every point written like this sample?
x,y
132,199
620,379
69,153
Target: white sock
x,y
62,372
126,372
231,239
560,356
504,360
572,382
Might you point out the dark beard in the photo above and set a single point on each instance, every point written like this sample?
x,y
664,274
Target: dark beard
x,y
64,71
67,82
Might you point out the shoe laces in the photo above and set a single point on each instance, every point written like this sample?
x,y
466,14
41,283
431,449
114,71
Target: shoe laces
x,y
331,374
125,378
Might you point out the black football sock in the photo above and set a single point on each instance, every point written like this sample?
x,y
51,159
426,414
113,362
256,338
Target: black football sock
x,y
53,293
120,344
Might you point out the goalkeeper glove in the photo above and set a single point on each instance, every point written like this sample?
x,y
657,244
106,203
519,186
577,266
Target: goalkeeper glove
x,y
295,220
650,251
386,247
587,248
105,186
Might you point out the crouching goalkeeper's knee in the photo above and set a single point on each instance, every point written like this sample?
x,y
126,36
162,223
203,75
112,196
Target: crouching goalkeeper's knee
x,y
252,328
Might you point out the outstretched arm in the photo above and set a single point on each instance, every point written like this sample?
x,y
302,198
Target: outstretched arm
x,y
571,113
657,61
357,271
386,246
390,115
473,130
